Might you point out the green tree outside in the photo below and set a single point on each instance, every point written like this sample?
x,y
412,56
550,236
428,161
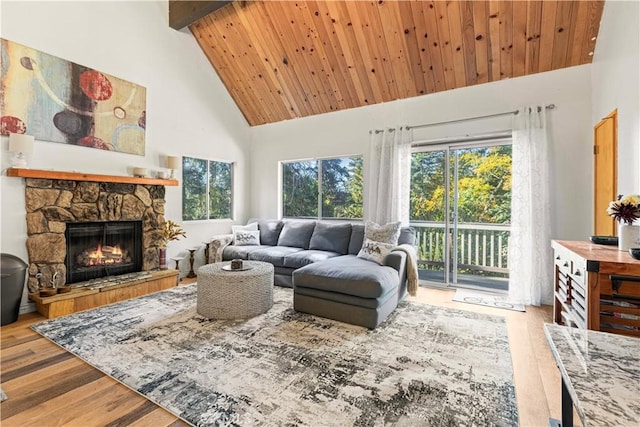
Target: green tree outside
x,y
220,195
340,183
194,189
300,189
484,185
195,185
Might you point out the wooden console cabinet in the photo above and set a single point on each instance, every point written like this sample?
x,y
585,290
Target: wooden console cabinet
x,y
584,295
80,299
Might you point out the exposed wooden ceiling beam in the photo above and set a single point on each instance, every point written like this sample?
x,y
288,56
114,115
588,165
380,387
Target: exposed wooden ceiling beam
x,y
183,13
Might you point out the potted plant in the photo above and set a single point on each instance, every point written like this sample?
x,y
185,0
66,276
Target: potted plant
x,y
625,210
170,231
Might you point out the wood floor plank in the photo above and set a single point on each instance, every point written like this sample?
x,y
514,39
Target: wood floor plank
x,y
33,344
117,401
20,327
137,413
32,367
35,380
32,352
62,409
17,356
532,403
82,375
178,423
158,417
14,340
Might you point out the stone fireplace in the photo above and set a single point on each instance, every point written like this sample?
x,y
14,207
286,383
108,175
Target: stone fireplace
x,y
52,204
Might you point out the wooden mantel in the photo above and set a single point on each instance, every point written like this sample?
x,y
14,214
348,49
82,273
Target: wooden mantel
x,y
79,176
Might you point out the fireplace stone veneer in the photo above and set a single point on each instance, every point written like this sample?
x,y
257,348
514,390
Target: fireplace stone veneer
x,y
51,204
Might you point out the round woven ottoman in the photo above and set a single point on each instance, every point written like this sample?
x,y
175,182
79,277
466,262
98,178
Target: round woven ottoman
x,y
224,294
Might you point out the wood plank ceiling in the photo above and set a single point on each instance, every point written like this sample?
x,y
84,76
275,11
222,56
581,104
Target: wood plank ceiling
x,y
286,59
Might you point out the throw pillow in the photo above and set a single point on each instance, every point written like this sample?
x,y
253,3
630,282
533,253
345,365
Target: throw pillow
x,y
249,227
375,251
388,233
246,238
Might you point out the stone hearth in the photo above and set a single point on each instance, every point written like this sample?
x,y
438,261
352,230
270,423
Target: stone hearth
x,y
51,204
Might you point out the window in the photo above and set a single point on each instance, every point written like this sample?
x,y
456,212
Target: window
x,y
207,190
326,188
461,210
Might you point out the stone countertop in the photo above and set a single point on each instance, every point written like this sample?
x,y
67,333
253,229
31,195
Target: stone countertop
x,y
601,372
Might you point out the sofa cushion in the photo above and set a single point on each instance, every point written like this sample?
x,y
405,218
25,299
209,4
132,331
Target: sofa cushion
x,y
270,231
302,258
387,233
372,303
296,234
348,313
407,236
273,254
357,238
239,252
349,275
331,237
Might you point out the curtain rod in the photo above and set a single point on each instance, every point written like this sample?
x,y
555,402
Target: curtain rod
x,y
515,112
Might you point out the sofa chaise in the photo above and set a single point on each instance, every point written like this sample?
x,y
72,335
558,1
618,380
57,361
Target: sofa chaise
x,y
319,260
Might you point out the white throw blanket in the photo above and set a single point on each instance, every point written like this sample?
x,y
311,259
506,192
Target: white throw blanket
x,y
217,245
412,267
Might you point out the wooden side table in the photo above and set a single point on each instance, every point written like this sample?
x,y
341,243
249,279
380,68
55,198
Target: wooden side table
x,y
192,273
177,261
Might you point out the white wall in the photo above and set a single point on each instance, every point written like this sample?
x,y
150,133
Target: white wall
x,y
189,112
346,132
616,84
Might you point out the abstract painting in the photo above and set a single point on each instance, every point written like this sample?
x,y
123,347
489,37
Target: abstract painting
x,y
60,101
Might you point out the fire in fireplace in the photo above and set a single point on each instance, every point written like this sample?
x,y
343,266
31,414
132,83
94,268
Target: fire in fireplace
x,y
98,249
103,256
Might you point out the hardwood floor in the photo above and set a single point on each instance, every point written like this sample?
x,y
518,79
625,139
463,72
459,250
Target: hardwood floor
x,y
47,386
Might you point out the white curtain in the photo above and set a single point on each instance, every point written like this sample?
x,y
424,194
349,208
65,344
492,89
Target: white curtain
x,y
530,256
388,176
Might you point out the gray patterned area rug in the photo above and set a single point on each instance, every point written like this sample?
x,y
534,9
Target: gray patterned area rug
x,y
424,365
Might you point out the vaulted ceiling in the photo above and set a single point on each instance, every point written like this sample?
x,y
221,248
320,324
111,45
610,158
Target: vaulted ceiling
x,y
285,59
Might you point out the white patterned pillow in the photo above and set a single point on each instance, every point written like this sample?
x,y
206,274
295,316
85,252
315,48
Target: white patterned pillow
x,y
388,233
375,251
249,227
246,238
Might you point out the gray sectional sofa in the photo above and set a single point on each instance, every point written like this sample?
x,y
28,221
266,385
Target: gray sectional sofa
x,y
319,260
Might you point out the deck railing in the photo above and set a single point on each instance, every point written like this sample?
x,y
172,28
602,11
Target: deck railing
x,y
481,248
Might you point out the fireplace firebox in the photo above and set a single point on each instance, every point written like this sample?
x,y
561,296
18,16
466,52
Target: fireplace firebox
x,y
99,249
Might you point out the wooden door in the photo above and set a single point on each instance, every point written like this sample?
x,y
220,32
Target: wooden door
x,y
605,168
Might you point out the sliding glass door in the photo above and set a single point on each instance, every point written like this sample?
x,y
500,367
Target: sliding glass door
x,y
461,209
